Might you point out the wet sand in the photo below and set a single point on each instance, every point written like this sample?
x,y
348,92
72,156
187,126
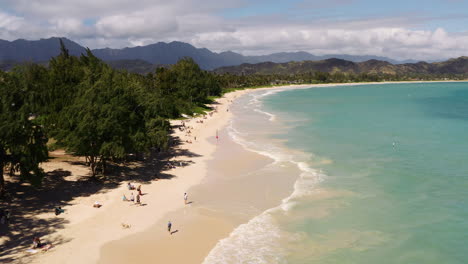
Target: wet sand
x,y
234,190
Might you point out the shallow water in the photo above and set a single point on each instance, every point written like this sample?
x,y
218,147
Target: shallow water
x,y
384,175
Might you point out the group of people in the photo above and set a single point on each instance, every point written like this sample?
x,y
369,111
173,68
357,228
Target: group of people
x,y
132,198
188,132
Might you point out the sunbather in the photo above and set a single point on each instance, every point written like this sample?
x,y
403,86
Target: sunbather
x,y
36,243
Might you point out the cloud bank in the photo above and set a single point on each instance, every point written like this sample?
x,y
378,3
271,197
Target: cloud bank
x,y
121,23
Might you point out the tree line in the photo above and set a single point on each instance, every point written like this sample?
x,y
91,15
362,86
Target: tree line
x,y
228,80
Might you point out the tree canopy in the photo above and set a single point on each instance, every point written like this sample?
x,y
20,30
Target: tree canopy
x,y
92,110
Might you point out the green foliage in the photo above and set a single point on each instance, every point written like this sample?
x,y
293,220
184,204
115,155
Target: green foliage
x,y
186,85
22,141
92,110
108,117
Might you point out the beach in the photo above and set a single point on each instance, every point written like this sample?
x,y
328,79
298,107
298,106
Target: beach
x,y
222,179
83,230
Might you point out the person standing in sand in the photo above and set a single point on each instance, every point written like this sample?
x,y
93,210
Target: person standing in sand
x,y
185,198
138,199
169,226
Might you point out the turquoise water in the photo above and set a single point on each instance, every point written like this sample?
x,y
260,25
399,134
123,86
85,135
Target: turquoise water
x,y
402,152
385,175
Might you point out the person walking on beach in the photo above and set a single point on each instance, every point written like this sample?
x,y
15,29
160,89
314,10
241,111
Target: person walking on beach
x,y
169,226
138,199
185,198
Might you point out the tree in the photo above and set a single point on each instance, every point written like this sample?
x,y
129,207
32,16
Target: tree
x,y
64,75
22,141
106,121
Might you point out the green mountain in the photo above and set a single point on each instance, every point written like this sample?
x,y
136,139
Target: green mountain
x,y
19,51
135,66
452,66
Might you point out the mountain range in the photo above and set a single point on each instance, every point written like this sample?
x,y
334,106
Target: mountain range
x,y
457,66
143,59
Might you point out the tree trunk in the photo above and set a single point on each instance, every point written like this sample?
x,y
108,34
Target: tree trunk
x,y
2,183
103,162
92,164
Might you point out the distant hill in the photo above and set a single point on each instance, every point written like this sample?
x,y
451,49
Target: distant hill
x,y
452,66
12,52
35,51
164,53
136,66
305,56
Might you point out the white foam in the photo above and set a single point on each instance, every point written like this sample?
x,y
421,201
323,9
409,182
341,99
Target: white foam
x,y
271,116
257,96
304,186
266,150
255,242
258,241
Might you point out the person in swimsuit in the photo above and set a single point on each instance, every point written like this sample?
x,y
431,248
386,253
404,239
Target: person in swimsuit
x,y
138,199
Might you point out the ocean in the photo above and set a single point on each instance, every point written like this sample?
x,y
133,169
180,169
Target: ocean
x,y
383,174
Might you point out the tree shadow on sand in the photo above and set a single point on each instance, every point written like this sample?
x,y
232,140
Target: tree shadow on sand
x,y
25,202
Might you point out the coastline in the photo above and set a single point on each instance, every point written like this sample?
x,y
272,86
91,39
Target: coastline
x,y
164,197
203,228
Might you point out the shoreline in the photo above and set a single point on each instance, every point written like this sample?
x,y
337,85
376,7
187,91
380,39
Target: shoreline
x,y
163,196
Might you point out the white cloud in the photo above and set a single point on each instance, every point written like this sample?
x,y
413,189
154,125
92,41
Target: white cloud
x,y
136,25
399,43
9,24
120,23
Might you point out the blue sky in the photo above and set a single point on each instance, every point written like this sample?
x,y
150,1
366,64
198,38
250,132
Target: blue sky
x,y
431,29
429,14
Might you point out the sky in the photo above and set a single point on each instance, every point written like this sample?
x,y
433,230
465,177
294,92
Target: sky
x,y
410,29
